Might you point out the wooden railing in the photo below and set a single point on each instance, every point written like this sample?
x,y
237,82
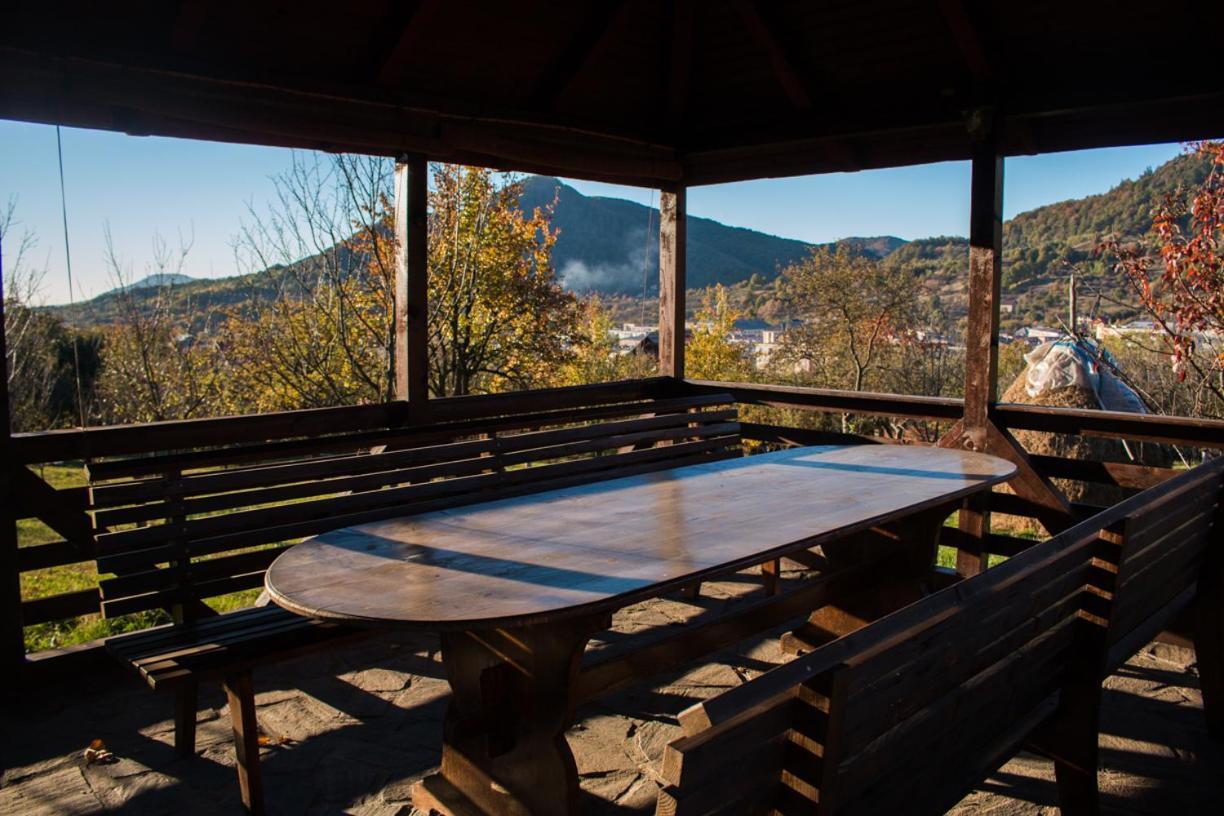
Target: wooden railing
x,y
63,510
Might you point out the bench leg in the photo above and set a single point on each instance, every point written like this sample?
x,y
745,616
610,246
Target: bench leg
x,y
241,693
1072,736
185,707
1077,790
771,572
1209,653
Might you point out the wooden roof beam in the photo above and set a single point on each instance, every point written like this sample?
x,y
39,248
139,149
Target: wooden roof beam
x,y
679,68
590,39
412,18
187,24
782,63
968,40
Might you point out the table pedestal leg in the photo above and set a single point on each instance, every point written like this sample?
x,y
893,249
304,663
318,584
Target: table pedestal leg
x,y
505,751
905,551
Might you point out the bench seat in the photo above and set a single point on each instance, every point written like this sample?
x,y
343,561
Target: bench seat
x,y
215,648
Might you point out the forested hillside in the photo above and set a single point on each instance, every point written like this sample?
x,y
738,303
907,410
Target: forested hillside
x,y
609,246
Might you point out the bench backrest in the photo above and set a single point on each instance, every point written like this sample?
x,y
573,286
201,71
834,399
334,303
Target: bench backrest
x,y
910,712
180,527
913,708
1155,556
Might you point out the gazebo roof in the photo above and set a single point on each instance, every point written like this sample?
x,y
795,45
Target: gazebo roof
x,y
637,91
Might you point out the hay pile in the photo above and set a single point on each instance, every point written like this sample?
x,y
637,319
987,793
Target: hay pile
x,y
1075,447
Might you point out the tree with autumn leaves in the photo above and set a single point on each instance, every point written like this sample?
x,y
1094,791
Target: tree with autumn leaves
x,y
322,333
1177,278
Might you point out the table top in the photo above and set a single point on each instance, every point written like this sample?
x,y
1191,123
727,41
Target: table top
x,y
601,546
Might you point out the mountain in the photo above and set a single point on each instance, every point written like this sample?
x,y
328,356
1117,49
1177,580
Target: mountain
x,y
604,243
610,245
155,281
1043,246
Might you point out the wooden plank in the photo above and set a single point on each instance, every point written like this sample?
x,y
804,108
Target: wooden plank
x,y
781,61
994,543
1122,474
985,275
834,401
244,522
113,495
727,432
414,245
1204,433
55,607
600,23
679,67
673,232
296,490
1055,512
52,554
538,440
51,506
330,522
780,435
413,20
118,440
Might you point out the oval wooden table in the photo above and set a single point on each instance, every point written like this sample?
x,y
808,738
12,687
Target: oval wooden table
x,y
517,587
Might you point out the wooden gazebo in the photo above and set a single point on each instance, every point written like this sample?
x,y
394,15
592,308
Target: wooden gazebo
x,y
665,94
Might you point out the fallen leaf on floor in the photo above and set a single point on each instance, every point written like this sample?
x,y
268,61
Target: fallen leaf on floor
x,y
264,739
96,754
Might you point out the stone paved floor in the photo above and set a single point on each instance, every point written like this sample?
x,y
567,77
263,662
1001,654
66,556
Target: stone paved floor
x,y
350,731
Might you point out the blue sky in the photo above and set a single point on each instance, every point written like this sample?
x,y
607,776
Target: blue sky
x,y
143,186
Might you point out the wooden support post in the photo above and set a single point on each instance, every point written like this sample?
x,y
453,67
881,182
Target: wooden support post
x,y
411,342
976,430
12,637
672,237
982,338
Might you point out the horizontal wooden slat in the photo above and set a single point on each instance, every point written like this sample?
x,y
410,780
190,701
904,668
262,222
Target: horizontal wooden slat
x,y
832,401
212,526
1014,505
130,604
121,440
451,409
286,492
1122,474
161,638
605,443
53,554
995,543
1206,433
782,435
151,437
396,437
110,495
56,607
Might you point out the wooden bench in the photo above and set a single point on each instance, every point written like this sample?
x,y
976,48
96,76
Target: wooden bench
x,y
176,529
910,712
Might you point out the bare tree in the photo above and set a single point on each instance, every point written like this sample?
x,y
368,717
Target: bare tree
x,y
30,358
155,367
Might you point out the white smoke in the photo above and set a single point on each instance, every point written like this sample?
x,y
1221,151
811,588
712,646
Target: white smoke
x,y
623,276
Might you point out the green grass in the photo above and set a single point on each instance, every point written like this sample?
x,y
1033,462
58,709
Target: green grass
x,y
44,583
